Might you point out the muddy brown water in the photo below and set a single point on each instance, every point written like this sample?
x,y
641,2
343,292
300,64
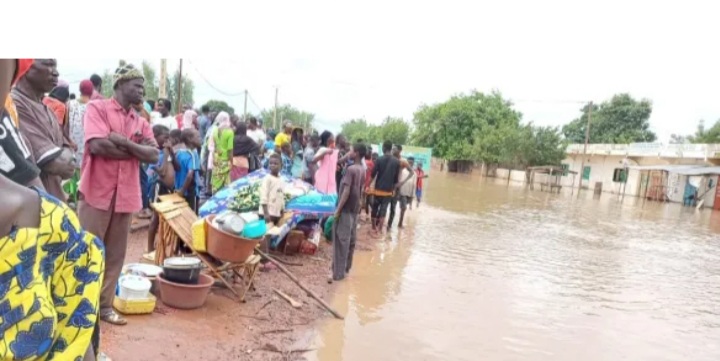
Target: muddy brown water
x,y
487,271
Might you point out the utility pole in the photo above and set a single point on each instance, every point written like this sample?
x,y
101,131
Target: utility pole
x,y
245,106
587,139
179,88
275,110
162,91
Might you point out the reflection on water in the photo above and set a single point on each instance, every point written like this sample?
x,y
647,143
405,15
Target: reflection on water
x,y
495,272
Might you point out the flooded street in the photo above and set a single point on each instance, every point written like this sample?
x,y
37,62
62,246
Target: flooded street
x,y
487,271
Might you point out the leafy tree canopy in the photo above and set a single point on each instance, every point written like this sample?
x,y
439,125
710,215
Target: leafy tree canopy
x,y
620,120
297,117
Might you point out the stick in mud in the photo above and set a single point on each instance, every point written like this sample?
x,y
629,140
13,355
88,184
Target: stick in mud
x,y
276,331
297,282
263,307
287,263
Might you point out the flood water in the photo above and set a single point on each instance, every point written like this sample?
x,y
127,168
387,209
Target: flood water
x,y
487,271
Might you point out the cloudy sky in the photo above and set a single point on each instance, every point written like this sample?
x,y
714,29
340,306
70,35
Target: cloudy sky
x,y
369,61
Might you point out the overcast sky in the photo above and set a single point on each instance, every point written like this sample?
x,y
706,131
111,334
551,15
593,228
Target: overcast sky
x,y
547,56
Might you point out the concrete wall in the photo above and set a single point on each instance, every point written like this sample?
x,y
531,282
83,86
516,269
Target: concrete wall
x,y
710,195
602,169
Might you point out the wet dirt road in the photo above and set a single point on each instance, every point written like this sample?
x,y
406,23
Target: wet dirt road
x,y
487,271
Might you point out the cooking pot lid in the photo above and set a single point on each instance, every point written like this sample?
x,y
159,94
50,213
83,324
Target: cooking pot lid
x,y
181,261
148,270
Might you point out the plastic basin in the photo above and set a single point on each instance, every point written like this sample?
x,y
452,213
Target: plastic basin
x,y
255,229
183,296
228,247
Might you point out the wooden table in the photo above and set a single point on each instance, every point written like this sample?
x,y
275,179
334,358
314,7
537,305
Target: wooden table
x,y
175,223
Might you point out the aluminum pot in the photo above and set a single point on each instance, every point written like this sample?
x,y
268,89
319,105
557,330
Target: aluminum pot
x,y
185,270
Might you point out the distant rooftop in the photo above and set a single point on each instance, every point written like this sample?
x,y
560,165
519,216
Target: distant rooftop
x,y
696,151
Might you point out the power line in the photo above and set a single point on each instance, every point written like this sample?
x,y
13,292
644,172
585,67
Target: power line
x,y
213,86
253,101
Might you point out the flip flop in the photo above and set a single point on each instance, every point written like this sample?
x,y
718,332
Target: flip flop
x,y
150,256
113,318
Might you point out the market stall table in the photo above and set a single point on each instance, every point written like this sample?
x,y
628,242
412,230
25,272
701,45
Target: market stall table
x,y
175,223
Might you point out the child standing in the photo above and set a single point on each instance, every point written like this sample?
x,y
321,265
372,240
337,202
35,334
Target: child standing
x,y
420,174
345,233
272,199
286,158
367,194
161,179
188,174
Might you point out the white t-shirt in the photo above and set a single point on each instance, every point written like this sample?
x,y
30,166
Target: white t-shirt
x,y
258,135
168,122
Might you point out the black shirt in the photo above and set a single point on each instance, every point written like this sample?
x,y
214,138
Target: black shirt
x,y
387,170
16,161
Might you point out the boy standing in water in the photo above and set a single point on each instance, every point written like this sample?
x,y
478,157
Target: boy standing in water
x,y
367,194
420,174
385,174
272,199
346,214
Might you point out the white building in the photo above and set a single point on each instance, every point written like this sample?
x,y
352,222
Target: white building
x,y
672,172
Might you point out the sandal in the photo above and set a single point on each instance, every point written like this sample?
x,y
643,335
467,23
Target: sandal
x,y
144,214
113,318
150,256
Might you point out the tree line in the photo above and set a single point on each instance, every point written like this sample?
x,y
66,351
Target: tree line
x,y
482,127
702,135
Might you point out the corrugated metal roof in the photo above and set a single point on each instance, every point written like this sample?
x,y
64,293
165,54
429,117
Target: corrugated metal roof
x,y
700,171
666,167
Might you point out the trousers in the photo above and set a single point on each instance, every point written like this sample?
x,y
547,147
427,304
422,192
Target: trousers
x,y
344,239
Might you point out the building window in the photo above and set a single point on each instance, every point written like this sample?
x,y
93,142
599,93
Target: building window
x,y
620,175
565,168
586,173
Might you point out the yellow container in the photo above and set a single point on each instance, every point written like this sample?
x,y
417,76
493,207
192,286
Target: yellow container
x,y
199,235
135,307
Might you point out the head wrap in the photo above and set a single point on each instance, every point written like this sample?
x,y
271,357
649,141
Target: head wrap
x,y
188,118
223,121
126,72
23,65
86,88
60,93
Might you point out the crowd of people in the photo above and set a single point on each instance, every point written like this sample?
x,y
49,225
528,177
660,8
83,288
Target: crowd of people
x,y
109,158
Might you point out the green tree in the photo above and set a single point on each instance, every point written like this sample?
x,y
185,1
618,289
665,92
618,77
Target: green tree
x,y
297,117
486,128
359,129
107,84
395,130
471,126
679,139
544,146
220,106
706,136
188,88
151,81
621,120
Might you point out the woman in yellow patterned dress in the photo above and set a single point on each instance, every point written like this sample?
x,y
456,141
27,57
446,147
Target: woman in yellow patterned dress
x,y
50,277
